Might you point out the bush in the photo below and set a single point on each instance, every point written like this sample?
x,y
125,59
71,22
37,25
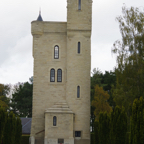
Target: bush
x,y
25,139
96,134
92,138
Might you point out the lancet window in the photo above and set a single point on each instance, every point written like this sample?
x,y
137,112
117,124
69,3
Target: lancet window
x,y
56,52
52,75
59,75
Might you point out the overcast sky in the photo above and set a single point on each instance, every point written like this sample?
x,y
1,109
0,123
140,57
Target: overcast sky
x,y
16,61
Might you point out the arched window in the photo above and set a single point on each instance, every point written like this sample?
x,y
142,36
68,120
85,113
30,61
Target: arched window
x,y
52,75
59,75
79,4
56,52
79,47
78,91
54,121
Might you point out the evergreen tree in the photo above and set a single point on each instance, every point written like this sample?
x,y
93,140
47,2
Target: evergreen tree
x,y
2,122
96,132
104,129
18,132
137,122
9,132
118,126
22,99
12,127
6,134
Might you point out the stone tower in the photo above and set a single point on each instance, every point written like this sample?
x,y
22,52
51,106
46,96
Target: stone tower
x,y
61,90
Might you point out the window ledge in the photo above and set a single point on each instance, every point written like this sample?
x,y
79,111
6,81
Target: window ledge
x,y
78,98
55,126
78,54
77,138
56,83
56,60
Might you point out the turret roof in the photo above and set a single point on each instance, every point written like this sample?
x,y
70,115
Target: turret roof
x,y
39,17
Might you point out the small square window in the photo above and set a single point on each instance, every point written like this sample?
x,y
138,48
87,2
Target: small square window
x,y
77,133
60,141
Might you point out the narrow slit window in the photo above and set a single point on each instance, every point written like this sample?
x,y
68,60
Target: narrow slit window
x,y
54,121
59,75
52,75
56,52
78,91
79,4
79,47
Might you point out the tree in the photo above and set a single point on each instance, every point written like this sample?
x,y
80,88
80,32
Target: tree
x,y
4,91
22,99
10,129
118,126
6,133
106,80
100,101
130,61
2,122
137,122
95,80
18,132
96,132
104,128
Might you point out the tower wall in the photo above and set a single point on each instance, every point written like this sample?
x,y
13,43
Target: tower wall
x,y
45,93
78,74
78,65
61,99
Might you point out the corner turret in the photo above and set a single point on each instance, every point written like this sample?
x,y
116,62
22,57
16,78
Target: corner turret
x,y
39,17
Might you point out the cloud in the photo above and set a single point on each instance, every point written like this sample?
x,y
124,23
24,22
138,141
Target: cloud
x,y
16,62
18,67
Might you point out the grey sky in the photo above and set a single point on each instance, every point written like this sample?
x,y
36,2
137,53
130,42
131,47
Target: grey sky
x,y
16,62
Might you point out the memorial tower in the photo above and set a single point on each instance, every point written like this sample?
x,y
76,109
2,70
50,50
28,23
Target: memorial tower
x,y
61,86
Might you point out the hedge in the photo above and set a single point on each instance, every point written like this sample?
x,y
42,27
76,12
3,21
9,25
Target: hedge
x,y
92,138
25,139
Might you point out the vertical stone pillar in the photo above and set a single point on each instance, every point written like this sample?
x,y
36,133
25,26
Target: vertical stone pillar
x,y
32,140
45,141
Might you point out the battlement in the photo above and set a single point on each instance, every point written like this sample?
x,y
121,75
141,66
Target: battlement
x,y
40,27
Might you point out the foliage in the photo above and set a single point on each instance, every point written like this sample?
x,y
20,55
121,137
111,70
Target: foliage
x,y
6,133
2,122
92,138
22,99
12,129
104,128
4,91
100,101
137,122
130,62
25,140
118,126
18,132
106,80
96,132
95,80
